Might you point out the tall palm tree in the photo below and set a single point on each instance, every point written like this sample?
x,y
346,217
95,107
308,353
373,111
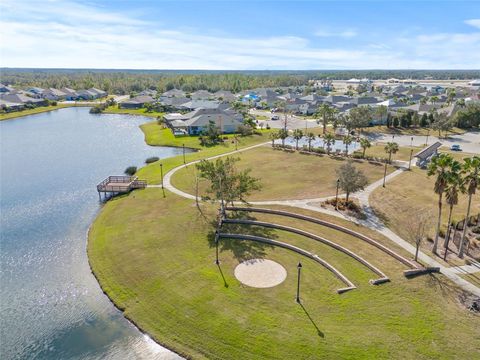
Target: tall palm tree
x,y
274,136
347,140
471,171
326,112
329,140
390,148
439,167
454,186
310,137
297,135
365,144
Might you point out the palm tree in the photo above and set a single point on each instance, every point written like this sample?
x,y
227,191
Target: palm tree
x,y
274,136
471,171
390,148
310,138
439,166
326,112
454,185
347,140
297,135
434,100
328,139
283,134
365,144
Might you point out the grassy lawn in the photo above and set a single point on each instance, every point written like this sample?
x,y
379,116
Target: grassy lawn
x,y
410,193
285,175
36,110
115,110
408,131
155,135
162,274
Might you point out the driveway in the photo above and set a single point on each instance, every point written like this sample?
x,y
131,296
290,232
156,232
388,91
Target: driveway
x,y
469,142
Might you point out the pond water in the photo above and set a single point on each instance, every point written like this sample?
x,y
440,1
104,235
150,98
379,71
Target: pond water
x,y
51,306
319,143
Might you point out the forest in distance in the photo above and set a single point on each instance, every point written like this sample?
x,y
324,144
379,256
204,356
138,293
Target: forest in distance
x,y
127,81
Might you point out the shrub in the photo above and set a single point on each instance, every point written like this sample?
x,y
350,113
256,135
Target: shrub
x,y
476,229
357,155
319,150
268,127
53,103
151,159
131,170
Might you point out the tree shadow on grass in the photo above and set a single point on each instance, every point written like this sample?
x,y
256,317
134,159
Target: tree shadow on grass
x,y
242,249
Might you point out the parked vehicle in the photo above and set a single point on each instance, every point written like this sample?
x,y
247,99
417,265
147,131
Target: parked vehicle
x,y
275,117
455,147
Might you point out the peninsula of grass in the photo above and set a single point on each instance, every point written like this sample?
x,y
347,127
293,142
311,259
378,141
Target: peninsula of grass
x,y
37,110
114,109
285,176
154,257
155,135
409,131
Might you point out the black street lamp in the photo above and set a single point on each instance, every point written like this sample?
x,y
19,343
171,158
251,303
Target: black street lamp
x,y
183,145
161,173
428,133
411,153
216,248
336,195
385,172
299,267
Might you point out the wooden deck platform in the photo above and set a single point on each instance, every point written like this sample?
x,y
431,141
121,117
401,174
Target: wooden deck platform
x,y
114,185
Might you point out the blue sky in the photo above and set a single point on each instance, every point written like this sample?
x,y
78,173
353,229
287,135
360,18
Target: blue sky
x,y
258,35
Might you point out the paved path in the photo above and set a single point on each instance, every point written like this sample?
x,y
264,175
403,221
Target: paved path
x,y
372,222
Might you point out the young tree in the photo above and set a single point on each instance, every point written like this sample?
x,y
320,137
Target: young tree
x,y
212,133
360,116
283,134
417,227
351,179
329,140
391,148
227,183
471,173
365,144
310,137
347,140
274,136
297,135
439,167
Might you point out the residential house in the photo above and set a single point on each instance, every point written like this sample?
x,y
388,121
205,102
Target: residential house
x,y
70,94
174,93
5,88
137,102
23,99
10,106
195,122
53,94
201,95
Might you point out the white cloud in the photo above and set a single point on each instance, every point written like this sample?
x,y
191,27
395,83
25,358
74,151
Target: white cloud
x,y
473,22
68,35
342,33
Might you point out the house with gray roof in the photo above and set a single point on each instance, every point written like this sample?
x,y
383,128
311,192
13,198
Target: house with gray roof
x,y
201,95
137,102
53,94
174,93
23,99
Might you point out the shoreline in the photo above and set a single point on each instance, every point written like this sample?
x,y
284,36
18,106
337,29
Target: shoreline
x,y
42,109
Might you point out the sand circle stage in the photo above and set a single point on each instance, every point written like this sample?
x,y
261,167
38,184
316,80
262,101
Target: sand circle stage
x,y
260,273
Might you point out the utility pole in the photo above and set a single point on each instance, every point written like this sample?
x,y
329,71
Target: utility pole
x,y
161,173
299,267
336,195
411,153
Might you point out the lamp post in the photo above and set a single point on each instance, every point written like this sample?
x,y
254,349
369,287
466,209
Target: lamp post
x,y
161,173
216,248
336,195
411,153
428,133
183,146
299,268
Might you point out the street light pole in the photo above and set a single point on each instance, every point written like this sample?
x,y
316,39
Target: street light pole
x,y
183,146
216,248
428,133
299,267
385,173
411,153
336,195
161,173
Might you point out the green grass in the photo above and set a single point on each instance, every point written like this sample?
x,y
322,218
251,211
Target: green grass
x,y
153,256
411,193
115,110
284,175
155,135
36,110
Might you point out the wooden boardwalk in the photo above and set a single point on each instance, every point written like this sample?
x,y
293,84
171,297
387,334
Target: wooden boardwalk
x,y
114,185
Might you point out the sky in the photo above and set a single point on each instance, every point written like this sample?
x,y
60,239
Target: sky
x,y
240,35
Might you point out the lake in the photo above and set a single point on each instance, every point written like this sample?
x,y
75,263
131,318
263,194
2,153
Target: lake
x,y
51,306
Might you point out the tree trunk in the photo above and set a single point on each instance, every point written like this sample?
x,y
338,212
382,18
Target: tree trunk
x,y
416,250
296,145
465,225
364,149
435,242
448,227
324,125
346,199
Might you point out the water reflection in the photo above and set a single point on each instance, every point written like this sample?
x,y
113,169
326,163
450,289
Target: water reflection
x,y
51,305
